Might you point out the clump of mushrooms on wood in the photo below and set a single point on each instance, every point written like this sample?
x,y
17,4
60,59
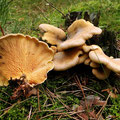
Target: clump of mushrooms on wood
x,y
27,59
71,49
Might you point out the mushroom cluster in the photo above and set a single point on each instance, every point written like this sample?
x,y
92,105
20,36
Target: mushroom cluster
x,y
99,59
22,57
25,58
73,50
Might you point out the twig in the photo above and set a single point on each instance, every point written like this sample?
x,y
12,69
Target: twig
x,y
2,30
38,99
5,101
68,108
30,113
45,102
67,81
5,93
9,108
54,7
101,110
93,90
73,113
35,111
5,109
79,84
60,117
64,92
43,14
50,97
13,105
52,114
56,110
63,114
85,88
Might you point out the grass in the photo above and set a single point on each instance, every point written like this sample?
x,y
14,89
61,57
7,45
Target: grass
x,y
24,16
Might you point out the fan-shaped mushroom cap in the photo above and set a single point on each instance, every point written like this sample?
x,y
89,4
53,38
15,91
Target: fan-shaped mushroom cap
x,y
53,34
67,59
78,33
25,55
87,48
98,56
101,74
114,65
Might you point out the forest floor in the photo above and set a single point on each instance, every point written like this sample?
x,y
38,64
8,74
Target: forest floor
x,y
62,96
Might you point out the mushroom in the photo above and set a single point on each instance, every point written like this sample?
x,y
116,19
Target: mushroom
x,y
53,35
101,73
98,56
25,56
87,61
78,33
94,65
99,70
54,48
69,58
87,48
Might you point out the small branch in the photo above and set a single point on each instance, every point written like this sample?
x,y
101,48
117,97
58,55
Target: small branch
x,y
55,96
60,117
5,101
2,30
6,110
42,13
9,108
57,113
54,7
101,110
80,85
93,91
38,99
30,113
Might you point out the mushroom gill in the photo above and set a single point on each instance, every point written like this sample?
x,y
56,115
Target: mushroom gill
x,y
25,56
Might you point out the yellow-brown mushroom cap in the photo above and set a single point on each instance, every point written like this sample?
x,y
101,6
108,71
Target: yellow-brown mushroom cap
x,y
98,56
52,35
101,74
67,59
114,65
25,55
87,48
78,33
